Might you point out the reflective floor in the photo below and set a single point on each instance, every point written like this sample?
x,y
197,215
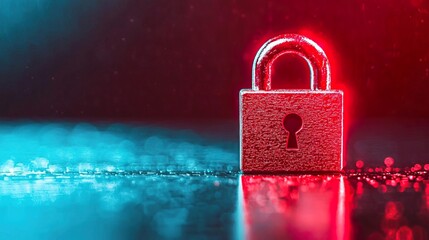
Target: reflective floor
x,y
381,206
212,207
113,181
118,207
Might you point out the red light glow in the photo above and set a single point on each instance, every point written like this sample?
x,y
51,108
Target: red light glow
x,y
359,164
283,207
389,161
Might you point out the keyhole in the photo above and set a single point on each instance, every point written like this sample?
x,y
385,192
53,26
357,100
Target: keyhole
x,y
293,124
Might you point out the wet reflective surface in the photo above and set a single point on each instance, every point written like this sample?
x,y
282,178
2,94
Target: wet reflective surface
x,y
183,206
118,207
390,206
123,181
295,207
356,206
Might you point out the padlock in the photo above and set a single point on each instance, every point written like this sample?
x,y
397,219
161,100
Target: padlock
x,y
283,130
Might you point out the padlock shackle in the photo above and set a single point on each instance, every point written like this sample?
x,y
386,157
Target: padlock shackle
x,y
313,54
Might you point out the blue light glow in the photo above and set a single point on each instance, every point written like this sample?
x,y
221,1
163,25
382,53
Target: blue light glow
x,y
117,207
60,148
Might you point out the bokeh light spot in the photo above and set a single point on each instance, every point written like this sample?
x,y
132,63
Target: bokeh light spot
x,y
359,164
389,161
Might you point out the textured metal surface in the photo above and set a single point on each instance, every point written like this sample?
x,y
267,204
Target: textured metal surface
x,y
314,146
263,137
320,72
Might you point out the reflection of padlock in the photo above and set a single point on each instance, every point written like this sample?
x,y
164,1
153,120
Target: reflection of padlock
x,y
291,130
284,207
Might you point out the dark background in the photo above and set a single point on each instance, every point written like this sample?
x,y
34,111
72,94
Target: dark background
x,y
145,59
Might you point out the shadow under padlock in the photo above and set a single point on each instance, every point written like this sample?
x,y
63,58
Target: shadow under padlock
x,y
291,130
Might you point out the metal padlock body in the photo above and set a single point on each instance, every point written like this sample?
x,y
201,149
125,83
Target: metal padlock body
x,y
262,112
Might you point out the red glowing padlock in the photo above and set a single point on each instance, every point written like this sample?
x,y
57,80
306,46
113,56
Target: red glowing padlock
x,y
291,130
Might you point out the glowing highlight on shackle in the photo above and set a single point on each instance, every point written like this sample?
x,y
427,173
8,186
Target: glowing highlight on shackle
x,y
313,54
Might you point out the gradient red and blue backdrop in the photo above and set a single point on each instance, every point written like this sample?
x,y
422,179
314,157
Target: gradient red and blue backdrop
x,y
131,60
